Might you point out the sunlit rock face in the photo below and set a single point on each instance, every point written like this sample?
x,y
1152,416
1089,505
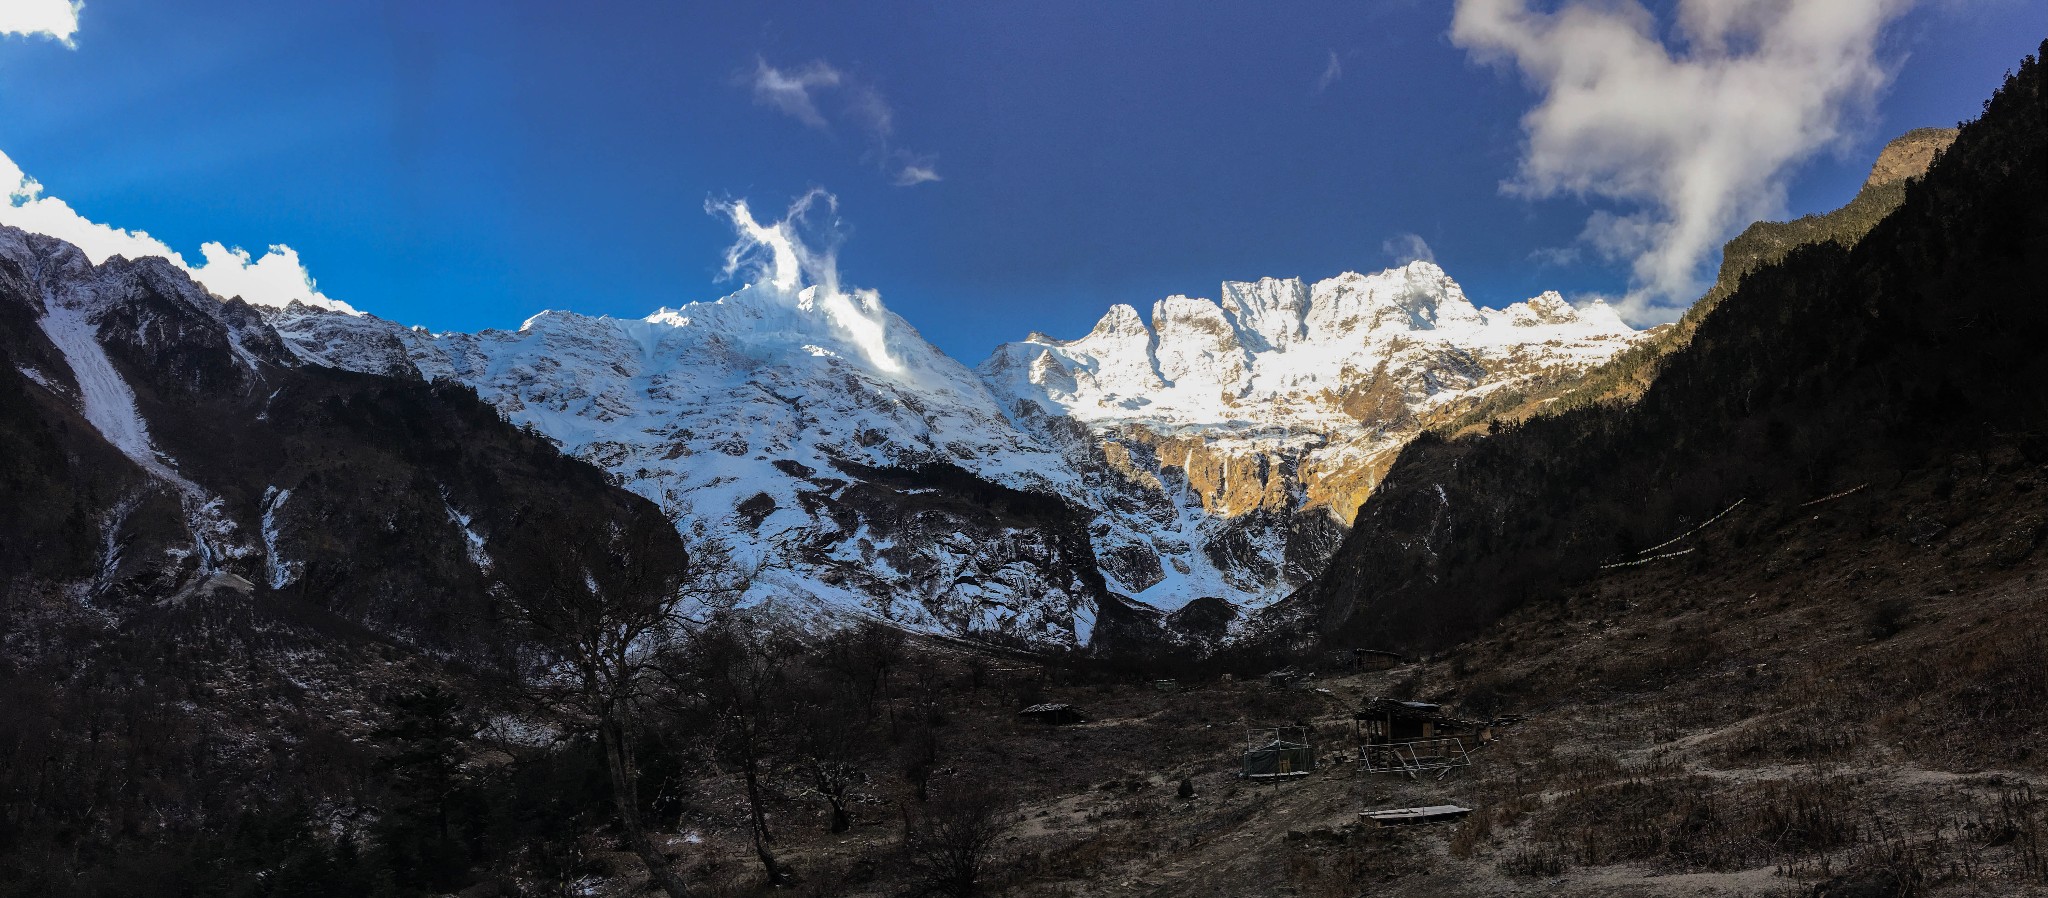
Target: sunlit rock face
x,y
1238,436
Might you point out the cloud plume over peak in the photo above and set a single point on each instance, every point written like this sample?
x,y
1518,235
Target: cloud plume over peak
x,y
804,273
1693,139
51,18
802,93
275,279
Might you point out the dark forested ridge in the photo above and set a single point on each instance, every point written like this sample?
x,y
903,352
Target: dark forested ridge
x,y
361,481
172,724
1837,366
1623,378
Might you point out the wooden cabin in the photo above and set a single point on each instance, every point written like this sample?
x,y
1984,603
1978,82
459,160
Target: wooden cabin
x,y
1385,721
1376,659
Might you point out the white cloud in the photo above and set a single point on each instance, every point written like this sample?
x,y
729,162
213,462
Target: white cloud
x,y
1332,71
51,18
1694,140
915,173
790,91
865,105
1406,248
275,279
802,94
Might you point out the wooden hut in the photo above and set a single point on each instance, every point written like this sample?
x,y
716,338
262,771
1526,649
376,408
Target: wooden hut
x,y
1384,721
1376,659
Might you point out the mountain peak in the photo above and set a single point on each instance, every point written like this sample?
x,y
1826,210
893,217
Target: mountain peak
x,y
1120,321
1279,352
1909,155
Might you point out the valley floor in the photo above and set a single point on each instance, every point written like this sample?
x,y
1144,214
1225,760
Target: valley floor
x,y
1839,699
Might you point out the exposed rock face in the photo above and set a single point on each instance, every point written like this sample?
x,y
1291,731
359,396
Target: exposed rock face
x,y
1909,155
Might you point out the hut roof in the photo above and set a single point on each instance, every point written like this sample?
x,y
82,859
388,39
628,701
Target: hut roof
x,y
1400,710
1047,708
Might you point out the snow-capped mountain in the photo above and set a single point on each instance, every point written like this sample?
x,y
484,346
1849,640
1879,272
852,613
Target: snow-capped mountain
x,y
1215,449
809,429
1215,452
1281,353
1249,430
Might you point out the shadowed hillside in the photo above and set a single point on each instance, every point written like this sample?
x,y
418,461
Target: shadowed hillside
x,y
1837,366
1624,378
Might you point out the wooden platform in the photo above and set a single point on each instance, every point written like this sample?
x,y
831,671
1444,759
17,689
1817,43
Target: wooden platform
x,y
1436,813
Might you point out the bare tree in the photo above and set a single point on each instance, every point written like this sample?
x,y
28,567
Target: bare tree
x,y
919,757
865,655
957,834
602,609
835,746
744,682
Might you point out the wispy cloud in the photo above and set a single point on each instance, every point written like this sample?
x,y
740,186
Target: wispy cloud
x,y
1692,139
819,94
1554,256
1333,71
1406,248
915,173
867,108
276,278
49,18
791,91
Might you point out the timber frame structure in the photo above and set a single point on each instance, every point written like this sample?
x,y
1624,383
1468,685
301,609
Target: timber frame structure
x,y
1413,738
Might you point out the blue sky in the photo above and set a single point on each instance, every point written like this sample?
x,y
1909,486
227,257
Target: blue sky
x,y
464,165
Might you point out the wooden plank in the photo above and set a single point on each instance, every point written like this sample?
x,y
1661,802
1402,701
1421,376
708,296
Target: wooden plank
x,y
1405,816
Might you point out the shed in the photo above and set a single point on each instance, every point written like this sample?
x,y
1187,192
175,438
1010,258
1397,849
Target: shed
x,y
1051,714
1376,659
1278,753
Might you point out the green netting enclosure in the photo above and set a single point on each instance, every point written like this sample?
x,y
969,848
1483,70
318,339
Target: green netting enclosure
x,y
1278,753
